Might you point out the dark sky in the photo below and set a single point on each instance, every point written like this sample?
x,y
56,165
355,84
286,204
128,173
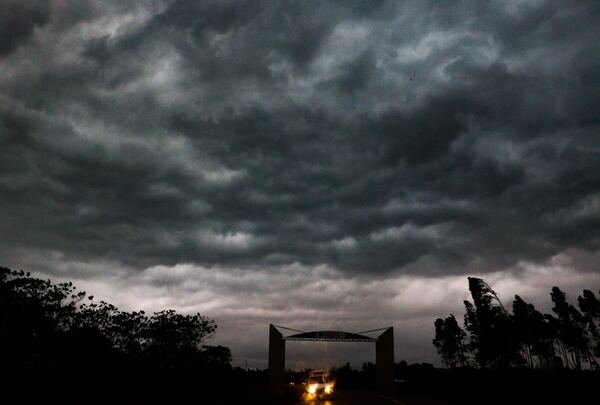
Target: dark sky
x,y
341,164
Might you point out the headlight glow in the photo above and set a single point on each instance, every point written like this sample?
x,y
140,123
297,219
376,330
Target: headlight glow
x,y
312,388
328,389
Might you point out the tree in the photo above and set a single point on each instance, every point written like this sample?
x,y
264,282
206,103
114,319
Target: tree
x,y
570,327
216,357
48,325
490,328
590,307
450,342
497,338
173,337
533,333
33,313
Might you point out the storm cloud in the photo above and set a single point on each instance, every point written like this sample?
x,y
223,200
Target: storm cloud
x,y
260,144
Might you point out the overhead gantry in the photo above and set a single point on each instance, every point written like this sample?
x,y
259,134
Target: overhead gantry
x,y
384,353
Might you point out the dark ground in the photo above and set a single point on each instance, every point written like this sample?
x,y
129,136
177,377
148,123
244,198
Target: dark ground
x,y
350,397
431,387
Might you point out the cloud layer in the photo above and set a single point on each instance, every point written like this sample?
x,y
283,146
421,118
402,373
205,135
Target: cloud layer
x,y
373,141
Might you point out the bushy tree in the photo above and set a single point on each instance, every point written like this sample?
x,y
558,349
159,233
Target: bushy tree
x,y
496,338
533,333
490,327
590,307
174,339
450,342
569,324
33,313
43,324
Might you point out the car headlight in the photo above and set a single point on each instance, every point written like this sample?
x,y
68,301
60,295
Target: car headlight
x,y
328,389
312,388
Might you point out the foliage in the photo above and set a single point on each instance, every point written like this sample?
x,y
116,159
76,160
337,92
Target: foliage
x,y
533,333
496,338
590,307
450,342
43,325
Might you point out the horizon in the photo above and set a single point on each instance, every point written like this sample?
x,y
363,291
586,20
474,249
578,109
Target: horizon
x,y
253,352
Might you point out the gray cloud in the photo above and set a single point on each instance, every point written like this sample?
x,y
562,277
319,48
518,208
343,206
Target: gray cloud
x,y
17,22
380,141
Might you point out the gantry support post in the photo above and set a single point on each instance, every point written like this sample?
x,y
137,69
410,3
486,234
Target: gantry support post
x,y
384,361
276,362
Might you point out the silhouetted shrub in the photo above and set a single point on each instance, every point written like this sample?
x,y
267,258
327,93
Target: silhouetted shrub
x,y
496,338
55,337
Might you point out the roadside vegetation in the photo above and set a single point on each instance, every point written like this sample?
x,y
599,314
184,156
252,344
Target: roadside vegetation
x,y
58,345
494,337
514,355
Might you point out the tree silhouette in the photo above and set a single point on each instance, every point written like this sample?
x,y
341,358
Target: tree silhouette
x,y
498,339
33,313
590,307
52,325
490,327
533,334
450,342
174,338
570,327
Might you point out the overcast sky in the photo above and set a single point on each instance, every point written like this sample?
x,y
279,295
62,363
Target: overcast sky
x,y
336,165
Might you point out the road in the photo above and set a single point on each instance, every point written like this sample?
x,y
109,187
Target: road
x,y
343,397
347,397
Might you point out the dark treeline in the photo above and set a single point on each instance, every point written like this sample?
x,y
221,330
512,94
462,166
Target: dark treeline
x,y
59,346
495,337
43,324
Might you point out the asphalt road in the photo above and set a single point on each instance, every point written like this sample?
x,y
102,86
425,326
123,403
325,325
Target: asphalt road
x,y
343,397
348,397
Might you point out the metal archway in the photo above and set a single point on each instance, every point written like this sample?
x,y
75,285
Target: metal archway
x,y
384,353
